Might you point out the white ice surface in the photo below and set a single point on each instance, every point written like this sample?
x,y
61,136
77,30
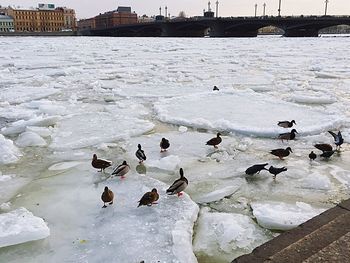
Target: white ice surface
x,y
29,138
10,184
90,129
9,152
22,94
63,166
283,216
20,226
244,112
226,236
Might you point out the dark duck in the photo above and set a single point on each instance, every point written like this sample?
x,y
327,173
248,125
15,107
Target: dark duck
x,y
275,171
256,169
164,145
179,185
324,147
149,198
215,141
121,170
286,124
281,153
100,163
140,154
288,135
312,156
338,139
107,197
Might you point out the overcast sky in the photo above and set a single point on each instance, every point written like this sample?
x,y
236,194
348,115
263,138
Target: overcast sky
x,y
89,8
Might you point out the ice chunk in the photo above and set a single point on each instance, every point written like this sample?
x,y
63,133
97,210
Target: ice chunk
x,y
283,216
28,138
83,130
316,181
217,194
312,99
21,125
9,186
169,163
224,236
259,117
42,131
183,129
20,226
9,152
63,166
25,93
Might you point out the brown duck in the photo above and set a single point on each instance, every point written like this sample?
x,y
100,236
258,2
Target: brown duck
x,y
324,147
215,141
288,135
164,145
280,153
149,198
100,163
107,197
179,185
312,156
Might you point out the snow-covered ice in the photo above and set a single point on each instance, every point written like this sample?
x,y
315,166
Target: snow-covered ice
x,y
283,216
20,226
9,152
29,138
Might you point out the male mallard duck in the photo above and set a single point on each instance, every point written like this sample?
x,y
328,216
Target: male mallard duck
x,y
288,135
338,138
324,147
164,145
215,141
121,170
140,154
216,88
281,152
107,197
100,163
275,171
327,154
256,169
286,124
149,198
179,185
312,156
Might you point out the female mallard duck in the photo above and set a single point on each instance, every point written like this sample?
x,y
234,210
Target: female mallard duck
x,y
275,171
121,170
179,185
100,163
215,141
286,124
256,169
140,154
164,145
312,156
149,198
107,197
324,147
288,135
281,152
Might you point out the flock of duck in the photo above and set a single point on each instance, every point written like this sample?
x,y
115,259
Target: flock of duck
x,y
121,170
150,198
327,150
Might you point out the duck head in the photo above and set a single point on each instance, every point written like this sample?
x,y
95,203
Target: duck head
x,y
106,189
218,134
293,121
139,146
294,131
94,157
124,163
181,172
289,149
154,190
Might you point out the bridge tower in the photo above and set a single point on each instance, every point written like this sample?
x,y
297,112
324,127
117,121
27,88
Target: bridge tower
x,y
264,13
279,8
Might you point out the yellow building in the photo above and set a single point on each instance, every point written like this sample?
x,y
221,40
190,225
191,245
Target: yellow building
x,y
45,18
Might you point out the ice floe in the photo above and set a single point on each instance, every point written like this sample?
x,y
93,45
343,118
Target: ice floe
x,y
225,236
283,216
10,184
28,138
244,112
20,226
9,152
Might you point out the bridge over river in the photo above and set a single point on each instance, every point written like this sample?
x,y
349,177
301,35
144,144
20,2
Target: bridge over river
x,y
302,26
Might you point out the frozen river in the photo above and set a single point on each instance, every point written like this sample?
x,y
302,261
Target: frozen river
x,y
64,99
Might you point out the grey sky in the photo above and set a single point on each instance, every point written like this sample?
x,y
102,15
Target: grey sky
x,y
89,8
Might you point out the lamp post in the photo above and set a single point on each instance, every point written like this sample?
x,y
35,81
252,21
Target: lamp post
x,y
160,11
217,9
166,11
279,8
326,6
256,8
264,5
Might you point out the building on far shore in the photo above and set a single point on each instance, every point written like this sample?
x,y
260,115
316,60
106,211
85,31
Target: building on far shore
x,y
122,15
44,18
6,23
